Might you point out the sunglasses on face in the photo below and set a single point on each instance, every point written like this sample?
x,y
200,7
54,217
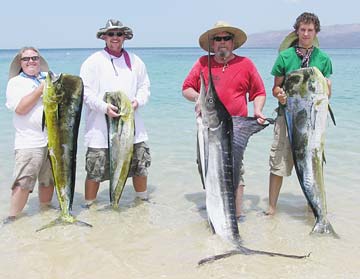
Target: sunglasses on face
x,y
27,58
112,34
225,38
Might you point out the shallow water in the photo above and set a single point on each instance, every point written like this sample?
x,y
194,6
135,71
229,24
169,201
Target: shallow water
x,y
166,237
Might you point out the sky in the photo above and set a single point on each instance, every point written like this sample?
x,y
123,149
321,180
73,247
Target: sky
x,y
155,23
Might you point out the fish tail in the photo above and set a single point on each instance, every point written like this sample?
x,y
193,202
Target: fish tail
x,y
218,257
324,227
246,251
64,220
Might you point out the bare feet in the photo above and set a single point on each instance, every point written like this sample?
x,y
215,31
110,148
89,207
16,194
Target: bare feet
x,y
269,212
9,220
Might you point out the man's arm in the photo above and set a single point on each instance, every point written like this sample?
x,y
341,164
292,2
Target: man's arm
x,y
190,94
278,91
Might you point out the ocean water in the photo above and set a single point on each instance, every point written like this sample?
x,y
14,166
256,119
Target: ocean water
x,y
166,237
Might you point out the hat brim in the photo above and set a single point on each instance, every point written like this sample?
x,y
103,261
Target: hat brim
x,y
15,66
291,39
127,32
239,37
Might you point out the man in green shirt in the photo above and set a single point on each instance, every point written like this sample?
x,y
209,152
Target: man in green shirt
x,y
298,50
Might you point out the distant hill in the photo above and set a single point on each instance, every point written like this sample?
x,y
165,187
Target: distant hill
x,y
332,36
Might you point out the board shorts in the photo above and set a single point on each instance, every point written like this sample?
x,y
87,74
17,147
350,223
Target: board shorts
x,y
281,160
97,163
32,164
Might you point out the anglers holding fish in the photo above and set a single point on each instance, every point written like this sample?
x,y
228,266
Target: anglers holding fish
x,y
24,97
235,78
299,50
109,70
302,88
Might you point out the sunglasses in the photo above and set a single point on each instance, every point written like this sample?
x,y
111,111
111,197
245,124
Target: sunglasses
x,y
27,58
112,34
225,38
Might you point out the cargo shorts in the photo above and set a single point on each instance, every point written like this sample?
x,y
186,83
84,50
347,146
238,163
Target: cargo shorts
x,y
281,160
97,163
32,164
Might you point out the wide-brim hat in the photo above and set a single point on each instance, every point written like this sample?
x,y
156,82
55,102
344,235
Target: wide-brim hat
x,y
292,39
222,26
15,66
113,24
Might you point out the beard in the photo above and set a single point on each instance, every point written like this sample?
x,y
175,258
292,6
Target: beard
x,y
223,53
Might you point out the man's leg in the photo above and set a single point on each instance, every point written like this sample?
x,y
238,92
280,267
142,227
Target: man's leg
x,y
239,200
19,199
140,186
275,183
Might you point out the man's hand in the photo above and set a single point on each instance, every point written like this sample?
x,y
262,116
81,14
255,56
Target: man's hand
x,y
112,111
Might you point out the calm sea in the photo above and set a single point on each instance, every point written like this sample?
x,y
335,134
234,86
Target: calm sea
x,y
166,238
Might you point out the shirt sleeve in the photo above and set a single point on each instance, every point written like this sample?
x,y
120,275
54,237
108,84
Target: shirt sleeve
x,y
193,78
13,96
278,69
143,85
88,73
327,72
257,87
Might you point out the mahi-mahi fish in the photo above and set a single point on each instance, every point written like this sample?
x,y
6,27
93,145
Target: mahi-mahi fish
x,y
306,117
218,142
121,142
63,98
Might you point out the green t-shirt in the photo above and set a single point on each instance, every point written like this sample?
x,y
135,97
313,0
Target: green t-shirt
x,y
289,61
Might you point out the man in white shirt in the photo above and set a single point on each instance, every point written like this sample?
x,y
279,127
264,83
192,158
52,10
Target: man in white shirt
x,y
24,98
107,70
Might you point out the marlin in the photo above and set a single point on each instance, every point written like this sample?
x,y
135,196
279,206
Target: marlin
x,y
121,143
306,117
63,98
221,147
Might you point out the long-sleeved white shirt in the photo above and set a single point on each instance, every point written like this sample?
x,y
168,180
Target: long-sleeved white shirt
x,y
102,73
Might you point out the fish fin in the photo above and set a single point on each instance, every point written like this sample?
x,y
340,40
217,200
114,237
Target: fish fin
x,y
64,220
200,166
324,227
43,121
211,226
246,251
332,115
58,116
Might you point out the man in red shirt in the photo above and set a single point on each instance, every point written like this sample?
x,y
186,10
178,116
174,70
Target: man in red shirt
x,y
235,77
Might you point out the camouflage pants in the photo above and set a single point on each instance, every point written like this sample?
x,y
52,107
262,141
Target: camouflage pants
x,y
97,162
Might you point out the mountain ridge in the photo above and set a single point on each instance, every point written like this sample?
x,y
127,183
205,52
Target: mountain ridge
x,y
331,36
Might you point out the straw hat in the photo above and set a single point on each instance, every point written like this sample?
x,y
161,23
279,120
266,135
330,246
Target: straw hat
x,y
15,66
113,24
222,26
292,39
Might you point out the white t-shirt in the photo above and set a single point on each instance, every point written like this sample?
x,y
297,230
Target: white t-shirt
x,y
28,127
101,75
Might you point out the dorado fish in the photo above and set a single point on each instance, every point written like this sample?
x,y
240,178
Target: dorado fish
x,y
62,98
224,139
121,143
306,117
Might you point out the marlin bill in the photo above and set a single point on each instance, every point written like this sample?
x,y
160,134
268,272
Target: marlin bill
x,y
121,131
63,98
306,118
222,140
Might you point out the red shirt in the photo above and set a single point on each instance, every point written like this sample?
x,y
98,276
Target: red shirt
x,y
232,82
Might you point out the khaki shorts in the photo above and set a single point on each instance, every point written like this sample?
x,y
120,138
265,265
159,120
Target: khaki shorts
x,y
32,164
281,161
97,162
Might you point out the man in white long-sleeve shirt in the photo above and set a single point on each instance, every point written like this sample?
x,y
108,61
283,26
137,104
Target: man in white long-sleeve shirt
x,y
113,69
